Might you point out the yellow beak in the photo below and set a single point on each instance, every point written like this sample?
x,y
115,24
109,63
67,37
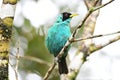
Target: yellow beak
x,y
72,15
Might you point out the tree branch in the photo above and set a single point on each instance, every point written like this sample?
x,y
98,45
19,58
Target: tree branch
x,y
86,3
38,60
92,3
16,73
95,36
7,11
98,47
96,8
49,71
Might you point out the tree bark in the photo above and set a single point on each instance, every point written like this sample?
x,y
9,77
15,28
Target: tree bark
x,y
7,11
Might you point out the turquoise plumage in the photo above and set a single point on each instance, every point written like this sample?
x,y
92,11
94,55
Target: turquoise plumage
x,y
57,36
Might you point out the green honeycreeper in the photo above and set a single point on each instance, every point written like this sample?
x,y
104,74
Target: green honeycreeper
x,y
57,36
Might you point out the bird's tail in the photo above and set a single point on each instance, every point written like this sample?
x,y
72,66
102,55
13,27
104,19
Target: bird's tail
x,y
62,66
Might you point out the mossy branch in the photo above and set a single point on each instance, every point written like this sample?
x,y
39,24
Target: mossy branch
x,y
7,11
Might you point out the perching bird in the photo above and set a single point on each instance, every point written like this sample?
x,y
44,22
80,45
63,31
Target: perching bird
x,y
56,38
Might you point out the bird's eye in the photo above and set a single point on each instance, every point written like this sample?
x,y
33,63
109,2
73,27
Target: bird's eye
x,y
66,15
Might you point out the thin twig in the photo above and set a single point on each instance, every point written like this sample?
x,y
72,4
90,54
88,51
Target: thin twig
x,y
96,8
38,60
105,44
89,5
86,3
16,73
17,61
95,36
96,2
49,71
72,37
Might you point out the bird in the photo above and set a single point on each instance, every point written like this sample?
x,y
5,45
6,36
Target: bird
x,y
57,36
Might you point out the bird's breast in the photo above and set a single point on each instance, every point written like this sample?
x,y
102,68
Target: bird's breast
x,y
57,38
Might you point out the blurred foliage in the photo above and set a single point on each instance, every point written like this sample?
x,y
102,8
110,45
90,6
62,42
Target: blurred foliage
x,y
35,48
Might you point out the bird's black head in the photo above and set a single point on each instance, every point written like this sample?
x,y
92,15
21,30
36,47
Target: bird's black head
x,y
65,15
